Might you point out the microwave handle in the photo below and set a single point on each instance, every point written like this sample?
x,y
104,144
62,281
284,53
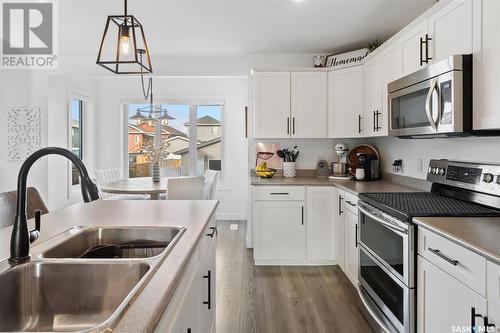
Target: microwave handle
x,y
428,102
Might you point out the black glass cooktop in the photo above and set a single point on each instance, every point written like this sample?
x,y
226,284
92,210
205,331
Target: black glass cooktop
x,y
405,206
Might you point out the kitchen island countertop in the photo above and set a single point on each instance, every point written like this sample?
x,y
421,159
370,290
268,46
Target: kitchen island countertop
x,y
144,312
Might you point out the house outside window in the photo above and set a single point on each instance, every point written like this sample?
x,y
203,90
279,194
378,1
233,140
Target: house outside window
x,y
76,132
176,136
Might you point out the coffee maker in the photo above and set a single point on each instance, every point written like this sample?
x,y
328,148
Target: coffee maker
x,y
370,164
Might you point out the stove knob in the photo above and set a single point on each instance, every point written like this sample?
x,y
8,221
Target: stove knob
x,y
498,179
441,171
488,178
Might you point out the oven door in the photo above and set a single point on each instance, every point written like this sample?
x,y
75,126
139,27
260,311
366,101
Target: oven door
x,y
389,240
389,301
430,107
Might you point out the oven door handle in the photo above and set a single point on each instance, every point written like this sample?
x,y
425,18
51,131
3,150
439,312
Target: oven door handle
x,y
428,102
363,296
388,224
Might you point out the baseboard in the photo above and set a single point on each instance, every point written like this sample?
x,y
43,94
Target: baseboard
x,y
295,262
232,217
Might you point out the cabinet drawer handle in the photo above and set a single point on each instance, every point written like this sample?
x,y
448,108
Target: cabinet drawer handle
x,y
350,203
473,316
302,215
444,257
340,205
213,233
490,327
293,125
209,292
374,121
279,193
287,125
356,235
359,124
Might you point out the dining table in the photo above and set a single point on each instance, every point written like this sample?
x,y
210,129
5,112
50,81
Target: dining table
x,y
139,185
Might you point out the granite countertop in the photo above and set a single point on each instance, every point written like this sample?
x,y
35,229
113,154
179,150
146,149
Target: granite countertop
x,y
352,186
144,312
479,234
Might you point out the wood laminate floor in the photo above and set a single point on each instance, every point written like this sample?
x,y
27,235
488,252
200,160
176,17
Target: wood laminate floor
x,y
280,299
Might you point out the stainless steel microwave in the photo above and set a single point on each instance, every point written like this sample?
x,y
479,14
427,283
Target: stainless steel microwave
x,y
435,101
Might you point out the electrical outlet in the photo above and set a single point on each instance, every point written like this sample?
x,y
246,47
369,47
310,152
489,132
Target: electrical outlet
x,y
420,165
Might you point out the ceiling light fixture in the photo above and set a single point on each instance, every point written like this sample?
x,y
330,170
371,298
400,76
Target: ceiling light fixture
x,y
124,49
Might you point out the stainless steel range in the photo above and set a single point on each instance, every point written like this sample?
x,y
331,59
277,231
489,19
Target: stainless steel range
x,y
387,236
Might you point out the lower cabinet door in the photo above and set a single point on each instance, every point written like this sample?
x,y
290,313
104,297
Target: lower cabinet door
x,y
445,304
320,223
279,230
207,282
340,229
351,247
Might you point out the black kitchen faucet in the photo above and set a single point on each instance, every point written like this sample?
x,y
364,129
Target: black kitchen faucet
x,y
21,238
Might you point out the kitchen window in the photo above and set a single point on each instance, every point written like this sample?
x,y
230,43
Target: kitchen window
x,y
76,135
183,156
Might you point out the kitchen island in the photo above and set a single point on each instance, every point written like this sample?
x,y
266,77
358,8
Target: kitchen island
x,y
146,309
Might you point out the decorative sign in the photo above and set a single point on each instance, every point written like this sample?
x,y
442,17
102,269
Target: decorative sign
x,y
23,132
348,59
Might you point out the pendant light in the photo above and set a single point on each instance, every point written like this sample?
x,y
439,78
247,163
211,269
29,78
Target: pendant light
x,y
124,49
138,116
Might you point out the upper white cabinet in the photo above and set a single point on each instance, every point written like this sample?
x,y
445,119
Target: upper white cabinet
x,y
321,207
272,104
290,104
410,47
372,97
451,30
345,102
309,105
486,64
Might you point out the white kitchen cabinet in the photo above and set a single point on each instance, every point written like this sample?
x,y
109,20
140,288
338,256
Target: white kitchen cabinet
x,y
351,246
279,231
451,30
345,102
321,212
340,230
444,304
272,104
309,108
391,69
372,96
493,296
486,64
410,48
188,311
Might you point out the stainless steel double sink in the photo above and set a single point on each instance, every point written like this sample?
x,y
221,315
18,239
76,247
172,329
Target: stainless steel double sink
x,y
82,280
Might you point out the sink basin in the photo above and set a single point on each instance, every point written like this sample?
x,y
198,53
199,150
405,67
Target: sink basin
x,y
115,242
66,297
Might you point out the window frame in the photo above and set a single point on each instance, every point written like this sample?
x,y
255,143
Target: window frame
x,y
87,102
195,100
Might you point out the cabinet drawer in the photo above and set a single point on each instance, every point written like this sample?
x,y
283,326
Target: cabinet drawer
x,y
461,263
351,202
279,193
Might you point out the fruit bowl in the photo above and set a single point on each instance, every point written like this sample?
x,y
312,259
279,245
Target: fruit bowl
x,y
269,173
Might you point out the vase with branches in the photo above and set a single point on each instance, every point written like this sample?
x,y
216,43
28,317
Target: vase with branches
x,y
156,155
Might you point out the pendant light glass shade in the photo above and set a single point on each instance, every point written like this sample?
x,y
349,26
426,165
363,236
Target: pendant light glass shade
x,y
124,49
165,116
138,116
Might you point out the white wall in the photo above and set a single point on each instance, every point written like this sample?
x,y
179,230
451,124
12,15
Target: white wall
x,y
111,135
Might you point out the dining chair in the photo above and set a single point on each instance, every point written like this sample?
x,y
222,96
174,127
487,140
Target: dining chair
x,y
106,176
188,188
211,183
8,201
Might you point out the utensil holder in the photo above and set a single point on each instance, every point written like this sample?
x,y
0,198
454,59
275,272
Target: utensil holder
x,y
289,169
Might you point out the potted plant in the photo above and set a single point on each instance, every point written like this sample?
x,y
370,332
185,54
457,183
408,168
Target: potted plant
x,y
289,157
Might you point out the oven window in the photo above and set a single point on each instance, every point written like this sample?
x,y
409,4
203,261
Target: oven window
x,y
408,111
391,293
382,241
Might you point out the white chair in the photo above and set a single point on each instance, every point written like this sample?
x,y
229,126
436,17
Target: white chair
x,y
211,181
106,176
189,188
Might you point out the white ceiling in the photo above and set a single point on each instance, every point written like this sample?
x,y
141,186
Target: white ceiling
x,y
238,27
